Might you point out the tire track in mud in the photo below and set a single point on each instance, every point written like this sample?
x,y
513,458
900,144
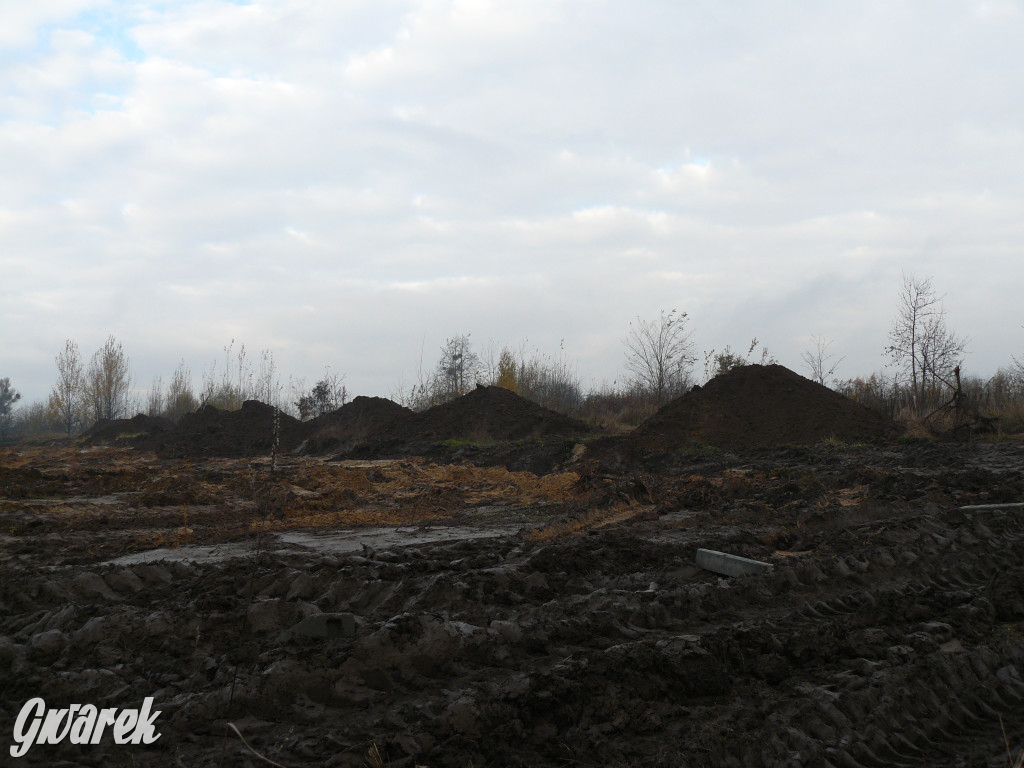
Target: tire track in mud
x,y
896,641
899,649
883,632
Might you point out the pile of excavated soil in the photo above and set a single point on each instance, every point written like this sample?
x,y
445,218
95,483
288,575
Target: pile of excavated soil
x,y
210,431
487,414
760,405
363,420
113,430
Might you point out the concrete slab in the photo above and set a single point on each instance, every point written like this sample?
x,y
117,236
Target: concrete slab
x,y
1010,505
322,542
729,565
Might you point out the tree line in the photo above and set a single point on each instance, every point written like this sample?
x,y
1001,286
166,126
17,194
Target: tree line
x,y
85,394
924,372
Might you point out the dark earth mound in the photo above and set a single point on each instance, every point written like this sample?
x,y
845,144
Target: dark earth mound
x,y
210,431
362,420
138,426
489,426
760,405
371,427
487,414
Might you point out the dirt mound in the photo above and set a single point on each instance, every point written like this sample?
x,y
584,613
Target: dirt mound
x,y
487,414
364,419
209,431
760,405
114,430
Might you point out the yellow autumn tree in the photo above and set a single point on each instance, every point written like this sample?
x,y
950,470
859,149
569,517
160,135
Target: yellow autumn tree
x,y
507,371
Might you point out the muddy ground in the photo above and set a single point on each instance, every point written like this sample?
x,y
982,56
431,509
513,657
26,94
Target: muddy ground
x,y
423,611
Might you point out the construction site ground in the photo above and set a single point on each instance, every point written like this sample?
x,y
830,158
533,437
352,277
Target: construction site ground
x,y
476,616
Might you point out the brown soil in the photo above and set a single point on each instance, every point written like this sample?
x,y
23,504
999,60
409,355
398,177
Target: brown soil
x,y
487,414
757,405
363,420
126,430
209,431
489,426
889,632
371,427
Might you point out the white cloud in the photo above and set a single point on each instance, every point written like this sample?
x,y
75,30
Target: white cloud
x,y
368,177
23,22
439,41
998,10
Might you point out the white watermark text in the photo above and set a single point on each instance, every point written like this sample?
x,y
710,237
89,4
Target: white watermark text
x,y
82,724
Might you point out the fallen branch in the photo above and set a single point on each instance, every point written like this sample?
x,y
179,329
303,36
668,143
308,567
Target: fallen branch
x,y
249,747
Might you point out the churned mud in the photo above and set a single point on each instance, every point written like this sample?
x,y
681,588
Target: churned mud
x,y
448,610
577,631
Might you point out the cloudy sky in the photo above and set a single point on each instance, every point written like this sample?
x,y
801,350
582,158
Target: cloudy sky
x,y
348,183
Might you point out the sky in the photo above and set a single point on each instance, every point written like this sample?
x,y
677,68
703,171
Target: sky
x,y
347,184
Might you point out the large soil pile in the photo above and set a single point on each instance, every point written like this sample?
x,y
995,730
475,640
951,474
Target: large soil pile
x,y
114,430
362,420
369,424
209,431
487,414
760,405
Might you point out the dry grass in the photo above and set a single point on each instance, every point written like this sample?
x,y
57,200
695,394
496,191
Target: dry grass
x,y
345,518
598,518
132,501
1011,762
404,492
374,759
915,427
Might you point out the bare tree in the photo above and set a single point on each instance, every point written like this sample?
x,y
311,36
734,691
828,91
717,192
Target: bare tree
x,y
8,397
457,369
487,370
327,395
156,400
33,421
549,380
1018,364
942,352
108,381
180,398
922,345
267,386
719,363
66,398
659,354
338,390
917,302
244,386
819,360
236,380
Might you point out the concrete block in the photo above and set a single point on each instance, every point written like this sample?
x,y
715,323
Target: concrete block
x,y
1010,505
729,565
